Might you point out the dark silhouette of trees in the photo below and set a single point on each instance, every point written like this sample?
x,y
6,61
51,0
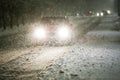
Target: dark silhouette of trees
x,y
17,12
12,13
117,7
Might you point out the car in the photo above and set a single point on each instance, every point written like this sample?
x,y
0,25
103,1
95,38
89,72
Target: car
x,y
54,30
89,13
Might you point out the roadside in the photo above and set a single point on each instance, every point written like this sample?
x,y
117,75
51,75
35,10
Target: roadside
x,y
82,61
107,30
29,62
86,61
89,61
8,55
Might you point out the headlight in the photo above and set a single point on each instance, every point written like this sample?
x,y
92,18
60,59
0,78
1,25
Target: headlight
x,y
39,33
98,14
64,32
102,14
108,11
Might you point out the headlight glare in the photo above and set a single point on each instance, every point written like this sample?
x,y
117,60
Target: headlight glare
x,y
63,33
39,33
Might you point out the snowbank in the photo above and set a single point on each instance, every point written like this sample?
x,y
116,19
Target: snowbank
x,y
14,30
104,35
86,62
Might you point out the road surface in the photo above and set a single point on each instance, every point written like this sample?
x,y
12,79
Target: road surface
x,y
93,60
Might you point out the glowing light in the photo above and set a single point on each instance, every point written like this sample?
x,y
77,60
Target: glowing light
x,y
108,11
39,33
102,14
78,14
90,11
63,33
98,14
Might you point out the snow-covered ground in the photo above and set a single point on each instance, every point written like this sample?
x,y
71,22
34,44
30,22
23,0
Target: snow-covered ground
x,y
105,35
15,30
90,61
18,30
107,30
22,36
82,61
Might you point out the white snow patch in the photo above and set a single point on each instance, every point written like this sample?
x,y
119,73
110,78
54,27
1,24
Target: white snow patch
x,y
16,29
104,35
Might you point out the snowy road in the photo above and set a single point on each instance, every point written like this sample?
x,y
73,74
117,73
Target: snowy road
x,y
82,61
23,39
87,61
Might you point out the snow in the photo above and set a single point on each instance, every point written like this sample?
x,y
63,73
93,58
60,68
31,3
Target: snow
x,y
110,19
104,35
81,61
87,62
107,30
27,27
8,55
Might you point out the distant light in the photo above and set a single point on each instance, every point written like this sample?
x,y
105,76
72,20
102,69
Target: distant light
x,y
78,14
102,14
90,11
65,16
98,14
108,11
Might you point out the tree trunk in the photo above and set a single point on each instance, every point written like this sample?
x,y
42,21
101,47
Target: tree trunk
x,y
3,21
23,20
17,21
117,6
11,21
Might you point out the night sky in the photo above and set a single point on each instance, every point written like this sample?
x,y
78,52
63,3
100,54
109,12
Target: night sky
x,y
15,12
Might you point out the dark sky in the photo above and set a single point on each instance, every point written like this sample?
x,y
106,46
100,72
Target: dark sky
x,y
82,4
55,6
100,4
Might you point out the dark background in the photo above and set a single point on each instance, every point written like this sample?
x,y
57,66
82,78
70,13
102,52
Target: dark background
x,y
17,12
